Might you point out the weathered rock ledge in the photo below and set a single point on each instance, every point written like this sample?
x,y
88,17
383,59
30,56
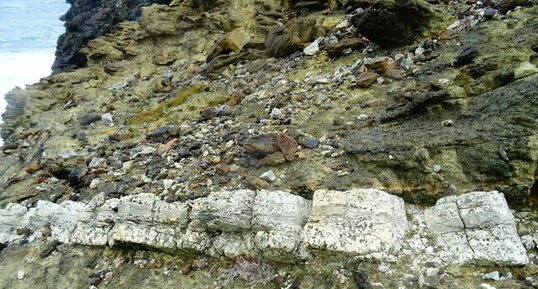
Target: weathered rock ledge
x,y
276,225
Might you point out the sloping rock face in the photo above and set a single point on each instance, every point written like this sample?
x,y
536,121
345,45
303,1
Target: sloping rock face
x,y
223,139
88,19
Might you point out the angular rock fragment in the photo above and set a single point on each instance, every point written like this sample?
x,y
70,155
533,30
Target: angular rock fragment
x,y
11,218
287,145
477,227
466,56
362,222
232,42
366,79
283,40
337,49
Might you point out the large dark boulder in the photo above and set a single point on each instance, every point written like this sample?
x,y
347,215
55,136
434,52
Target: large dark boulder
x,y
394,23
88,19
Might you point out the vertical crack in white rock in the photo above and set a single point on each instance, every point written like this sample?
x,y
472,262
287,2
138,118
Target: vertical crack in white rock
x,y
465,233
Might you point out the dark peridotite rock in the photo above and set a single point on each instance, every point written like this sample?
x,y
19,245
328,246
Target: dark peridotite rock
x,y
338,48
504,77
160,134
74,177
466,56
309,142
492,143
394,23
183,153
507,5
89,119
88,19
261,146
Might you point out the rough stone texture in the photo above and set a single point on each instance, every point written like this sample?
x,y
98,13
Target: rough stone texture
x,y
362,221
278,218
11,217
394,23
223,211
283,40
477,227
472,149
268,223
88,19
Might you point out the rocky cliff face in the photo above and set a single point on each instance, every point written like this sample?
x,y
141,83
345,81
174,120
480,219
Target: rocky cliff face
x,y
307,144
88,19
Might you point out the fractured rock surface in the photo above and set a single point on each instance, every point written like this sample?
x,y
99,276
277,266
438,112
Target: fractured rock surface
x,y
229,223
477,227
362,221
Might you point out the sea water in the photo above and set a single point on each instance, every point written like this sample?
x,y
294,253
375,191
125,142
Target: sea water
x,y
28,35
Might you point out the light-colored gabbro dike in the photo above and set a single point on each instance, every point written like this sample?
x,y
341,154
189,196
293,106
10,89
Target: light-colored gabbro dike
x,y
368,223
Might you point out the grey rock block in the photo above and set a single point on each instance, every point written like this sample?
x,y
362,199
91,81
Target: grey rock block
x,y
359,222
477,227
227,211
278,218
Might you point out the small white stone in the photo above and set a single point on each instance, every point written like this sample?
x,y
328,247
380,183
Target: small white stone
x,y
313,48
383,267
107,119
94,183
268,176
436,168
362,117
486,286
430,272
20,275
343,24
492,276
380,80
167,183
447,122
444,81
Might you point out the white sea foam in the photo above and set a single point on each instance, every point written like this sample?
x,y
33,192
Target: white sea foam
x,y
20,69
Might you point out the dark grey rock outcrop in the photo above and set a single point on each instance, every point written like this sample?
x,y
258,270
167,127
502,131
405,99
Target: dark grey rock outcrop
x,y
88,19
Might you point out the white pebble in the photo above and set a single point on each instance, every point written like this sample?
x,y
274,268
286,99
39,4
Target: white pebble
x,y
268,176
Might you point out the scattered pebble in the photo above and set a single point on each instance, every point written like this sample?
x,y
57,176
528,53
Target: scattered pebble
x,y
268,176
